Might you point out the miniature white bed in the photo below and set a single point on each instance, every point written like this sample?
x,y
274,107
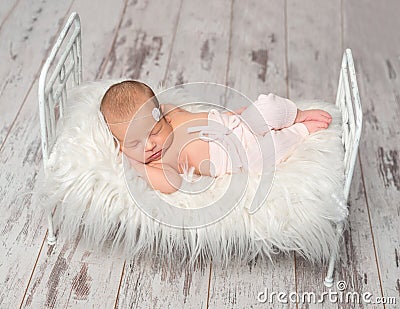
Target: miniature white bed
x,y
312,225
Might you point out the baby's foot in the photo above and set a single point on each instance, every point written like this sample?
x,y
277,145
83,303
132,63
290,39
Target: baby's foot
x,y
313,114
315,126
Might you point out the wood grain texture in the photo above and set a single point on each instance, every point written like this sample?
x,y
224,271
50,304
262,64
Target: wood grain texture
x,y
22,224
314,49
142,48
357,265
370,32
256,65
25,31
201,44
257,56
6,9
253,286
67,274
319,78
147,283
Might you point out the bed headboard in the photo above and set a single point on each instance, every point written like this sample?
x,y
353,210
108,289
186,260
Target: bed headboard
x,y
62,70
348,101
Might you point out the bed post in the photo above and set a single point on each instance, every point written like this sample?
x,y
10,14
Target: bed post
x,y
328,282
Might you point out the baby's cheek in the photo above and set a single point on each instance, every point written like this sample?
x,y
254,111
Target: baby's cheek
x,y
128,152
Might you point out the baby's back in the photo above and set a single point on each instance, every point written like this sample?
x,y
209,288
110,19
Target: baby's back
x,y
188,147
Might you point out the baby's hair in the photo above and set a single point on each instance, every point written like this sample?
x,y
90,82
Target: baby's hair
x,y
121,99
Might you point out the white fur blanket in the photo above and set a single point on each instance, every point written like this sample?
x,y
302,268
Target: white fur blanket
x,y
86,180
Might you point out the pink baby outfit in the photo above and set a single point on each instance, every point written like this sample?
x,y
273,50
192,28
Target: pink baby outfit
x,y
270,117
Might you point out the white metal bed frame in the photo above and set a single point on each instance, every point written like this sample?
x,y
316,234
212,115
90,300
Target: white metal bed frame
x,y
53,96
53,91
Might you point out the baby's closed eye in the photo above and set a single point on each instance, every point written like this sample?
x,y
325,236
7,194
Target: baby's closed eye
x,y
133,144
156,132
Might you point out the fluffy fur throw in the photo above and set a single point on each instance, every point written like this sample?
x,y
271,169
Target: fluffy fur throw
x,y
85,179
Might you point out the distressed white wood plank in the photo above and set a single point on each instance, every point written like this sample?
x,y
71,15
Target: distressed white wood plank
x,y
22,229
142,52
149,284
100,24
201,44
357,265
57,279
144,42
70,276
240,286
22,224
370,31
314,55
25,40
6,8
257,57
314,49
256,65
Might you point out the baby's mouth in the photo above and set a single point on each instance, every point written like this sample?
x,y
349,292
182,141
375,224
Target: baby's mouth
x,y
155,155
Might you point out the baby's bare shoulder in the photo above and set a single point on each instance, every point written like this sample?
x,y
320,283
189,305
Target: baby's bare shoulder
x,y
170,108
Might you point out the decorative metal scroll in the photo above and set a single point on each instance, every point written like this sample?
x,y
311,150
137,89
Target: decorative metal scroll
x,y
66,59
348,101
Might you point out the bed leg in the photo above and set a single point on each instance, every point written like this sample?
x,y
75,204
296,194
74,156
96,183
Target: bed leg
x,y
328,282
51,237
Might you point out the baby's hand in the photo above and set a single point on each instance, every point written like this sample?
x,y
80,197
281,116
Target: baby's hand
x,y
238,111
317,115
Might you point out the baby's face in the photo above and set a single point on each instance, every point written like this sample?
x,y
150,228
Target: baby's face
x,y
144,140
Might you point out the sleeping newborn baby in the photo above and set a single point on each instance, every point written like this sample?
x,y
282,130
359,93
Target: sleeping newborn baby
x,y
160,141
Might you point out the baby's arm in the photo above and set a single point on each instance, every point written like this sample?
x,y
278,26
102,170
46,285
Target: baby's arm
x,y
161,177
238,111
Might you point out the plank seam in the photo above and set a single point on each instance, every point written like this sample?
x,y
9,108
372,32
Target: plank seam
x,y
370,224
295,279
229,52
103,67
33,270
341,27
173,42
119,285
33,82
286,50
9,14
209,286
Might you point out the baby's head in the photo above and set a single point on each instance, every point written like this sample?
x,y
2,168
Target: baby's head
x,y
130,109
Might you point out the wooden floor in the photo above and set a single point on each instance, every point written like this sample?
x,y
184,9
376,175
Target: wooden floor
x,y
292,48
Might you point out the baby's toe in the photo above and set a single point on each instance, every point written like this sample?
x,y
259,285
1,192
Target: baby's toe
x,y
325,125
326,117
326,114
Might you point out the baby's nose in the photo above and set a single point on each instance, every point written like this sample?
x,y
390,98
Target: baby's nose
x,y
150,145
